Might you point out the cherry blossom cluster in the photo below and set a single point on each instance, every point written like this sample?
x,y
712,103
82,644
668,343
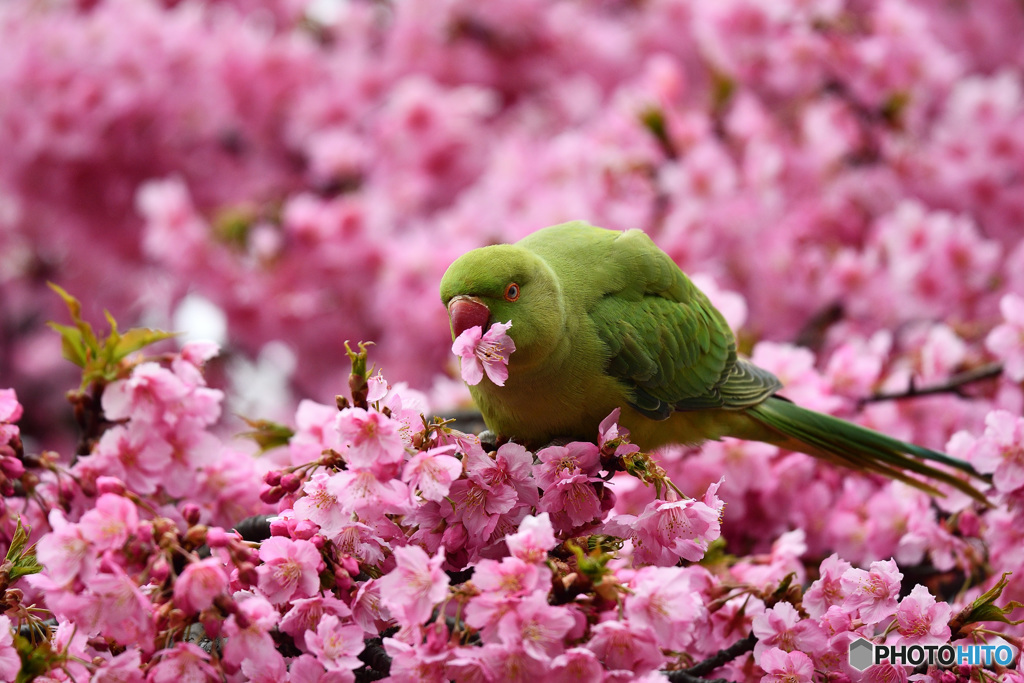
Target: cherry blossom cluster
x,y
398,546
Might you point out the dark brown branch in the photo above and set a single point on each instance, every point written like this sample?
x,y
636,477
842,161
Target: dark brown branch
x,y
695,672
683,677
954,385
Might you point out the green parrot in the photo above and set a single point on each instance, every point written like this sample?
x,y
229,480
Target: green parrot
x,y
603,319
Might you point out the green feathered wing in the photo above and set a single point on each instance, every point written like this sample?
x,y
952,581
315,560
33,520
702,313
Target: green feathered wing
x,y
674,352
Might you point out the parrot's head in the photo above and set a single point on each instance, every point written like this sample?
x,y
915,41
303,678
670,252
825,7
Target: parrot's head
x,y
503,283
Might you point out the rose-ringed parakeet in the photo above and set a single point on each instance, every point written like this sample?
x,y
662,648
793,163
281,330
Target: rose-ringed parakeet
x,y
604,319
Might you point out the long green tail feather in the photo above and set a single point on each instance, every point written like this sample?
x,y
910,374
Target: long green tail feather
x,y
859,447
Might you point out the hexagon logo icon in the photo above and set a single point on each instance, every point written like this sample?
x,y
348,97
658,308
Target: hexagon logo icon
x,y
861,654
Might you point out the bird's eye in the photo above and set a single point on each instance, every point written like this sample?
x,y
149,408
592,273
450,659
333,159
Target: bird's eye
x,y
511,292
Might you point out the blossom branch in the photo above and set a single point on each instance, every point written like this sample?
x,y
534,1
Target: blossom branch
x,y
954,385
723,656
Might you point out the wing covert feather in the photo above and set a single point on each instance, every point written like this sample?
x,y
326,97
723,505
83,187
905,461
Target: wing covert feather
x,y
666,341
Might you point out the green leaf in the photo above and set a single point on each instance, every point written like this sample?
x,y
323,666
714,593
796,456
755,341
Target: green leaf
x,y
73,304
99,361
268,434
71,344
985,609
21,561
653,119
357,383
135,339
89,339
36,658
18,542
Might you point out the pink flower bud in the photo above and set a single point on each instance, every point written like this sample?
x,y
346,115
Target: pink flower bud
x,y
271,494
349,564
607,499
281,527
159,570
342,580
247,574
454,537
216,537
273,477
211,625
969,523
110,485
291,482
305,530
191,513
12,467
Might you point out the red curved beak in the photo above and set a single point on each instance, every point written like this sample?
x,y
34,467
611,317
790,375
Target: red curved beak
x,y
466,311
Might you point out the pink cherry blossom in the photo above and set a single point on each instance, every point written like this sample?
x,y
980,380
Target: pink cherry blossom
x,y
305,613
65,552
425,661
183,662
248,633
665,601
537,626
666,531
827,589
485,353
377,388
290,569
336,645
782,627
117,607
359,541
575,664
10,662
872,592
509,577
999,451
507,663
321,506
477,506
923,620
1006,341
571,501
557,461
534,539
373,439
110,523
362,492
199,584
510,464
141,459
315,431
10,409
432,472
415,586
146,395
621,645
123,668
786,667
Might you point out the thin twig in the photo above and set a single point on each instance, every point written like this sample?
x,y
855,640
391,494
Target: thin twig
x,y
683,677
954,385
695,672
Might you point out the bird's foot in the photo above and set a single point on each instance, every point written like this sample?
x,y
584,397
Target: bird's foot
x,y
489,440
